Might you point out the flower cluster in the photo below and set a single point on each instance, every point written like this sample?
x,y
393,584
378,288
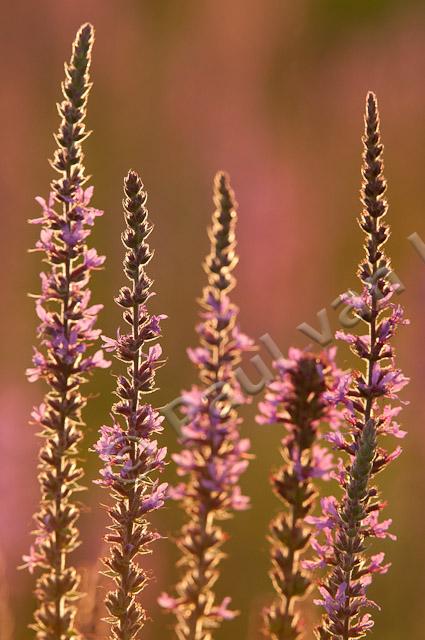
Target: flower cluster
x,y
370,416
66,331
213,455
298,398
130,453
353,413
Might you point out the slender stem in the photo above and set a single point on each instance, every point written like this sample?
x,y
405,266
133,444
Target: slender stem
x,y
205,515
371,361
291,560
218,455
60,562
134,455
132,497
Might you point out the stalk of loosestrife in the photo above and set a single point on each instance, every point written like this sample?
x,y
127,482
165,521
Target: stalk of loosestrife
x,y
213,454
128,448
65,332
298,399
370,400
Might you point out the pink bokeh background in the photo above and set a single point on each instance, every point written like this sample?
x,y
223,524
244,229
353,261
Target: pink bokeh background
x,y
273,92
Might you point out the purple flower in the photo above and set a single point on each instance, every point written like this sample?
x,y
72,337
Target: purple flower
x,y
111,444
213,456
222,612
33,560
299,399
92,260
66,334
108,477
130,453
330,603
350,523
198,356
156,499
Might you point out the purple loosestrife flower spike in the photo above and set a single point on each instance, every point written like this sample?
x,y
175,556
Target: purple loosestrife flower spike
x,y
350,523
128,448
66,330
298,399
213,455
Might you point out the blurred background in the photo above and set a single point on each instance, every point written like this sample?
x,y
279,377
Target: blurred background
x,y
272,91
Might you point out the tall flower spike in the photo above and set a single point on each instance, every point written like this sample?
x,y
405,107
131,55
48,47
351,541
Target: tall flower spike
x,y
66,330
213,454
128,448
298,399
349,524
